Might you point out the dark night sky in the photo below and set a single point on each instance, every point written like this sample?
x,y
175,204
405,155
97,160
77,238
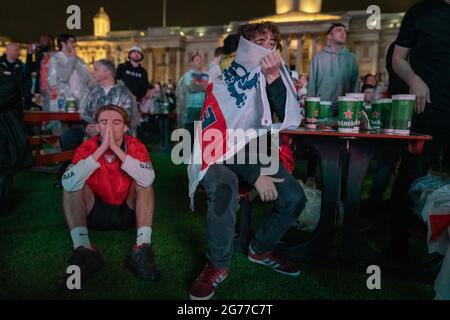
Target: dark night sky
x,y
25,20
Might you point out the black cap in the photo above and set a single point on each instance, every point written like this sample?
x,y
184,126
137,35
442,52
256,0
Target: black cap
x,y
231,43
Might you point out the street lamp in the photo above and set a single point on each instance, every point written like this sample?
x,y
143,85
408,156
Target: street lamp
x,y
164,13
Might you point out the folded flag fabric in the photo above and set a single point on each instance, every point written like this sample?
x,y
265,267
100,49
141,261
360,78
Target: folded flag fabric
x,y
431,196
438,207
286,154
435,213
238,100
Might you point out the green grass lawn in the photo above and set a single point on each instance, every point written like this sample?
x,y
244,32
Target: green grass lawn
x,y
35,245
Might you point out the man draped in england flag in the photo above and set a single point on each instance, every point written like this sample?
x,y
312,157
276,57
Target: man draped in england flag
x,y
255,85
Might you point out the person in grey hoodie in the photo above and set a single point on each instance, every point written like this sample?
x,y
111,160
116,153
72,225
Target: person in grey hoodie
x,y
334,70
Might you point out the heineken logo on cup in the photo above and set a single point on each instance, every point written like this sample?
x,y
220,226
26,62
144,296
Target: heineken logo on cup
x,y
348,115
403,106
345,126
375,114
347,110
314,114
312,110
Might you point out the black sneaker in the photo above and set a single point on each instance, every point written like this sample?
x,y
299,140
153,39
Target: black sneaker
x,y
88,260
141,262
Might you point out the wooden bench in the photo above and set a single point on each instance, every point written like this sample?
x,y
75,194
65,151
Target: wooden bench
x,y
37,118
43,159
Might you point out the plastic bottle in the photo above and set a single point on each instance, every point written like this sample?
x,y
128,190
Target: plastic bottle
x,y
54,105
53,99
61,101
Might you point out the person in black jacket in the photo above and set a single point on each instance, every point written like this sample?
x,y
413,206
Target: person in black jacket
x,y
133,74
15,150
389,156
421,58
396,84
35,55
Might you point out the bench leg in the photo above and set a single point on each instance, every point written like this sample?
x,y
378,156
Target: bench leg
x,y
245,233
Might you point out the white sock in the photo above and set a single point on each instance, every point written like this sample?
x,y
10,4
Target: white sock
x,y
144,236
80,238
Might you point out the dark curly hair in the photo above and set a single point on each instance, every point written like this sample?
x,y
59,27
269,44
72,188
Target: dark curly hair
x,y
251,30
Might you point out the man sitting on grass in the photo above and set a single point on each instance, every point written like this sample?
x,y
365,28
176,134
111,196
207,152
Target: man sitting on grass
x,y
109,187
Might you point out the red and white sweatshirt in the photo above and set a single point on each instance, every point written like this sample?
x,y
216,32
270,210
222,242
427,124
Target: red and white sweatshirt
x,y
109,178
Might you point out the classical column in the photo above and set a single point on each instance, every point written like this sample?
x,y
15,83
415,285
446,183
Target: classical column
x,y
117,56
375,52
178,65
166,65
150,64
313,44
285,42
299,55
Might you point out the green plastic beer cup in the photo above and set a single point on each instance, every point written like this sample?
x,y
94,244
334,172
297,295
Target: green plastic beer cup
x,y
387,123
347,107
312,112
402,111
325,110
360,106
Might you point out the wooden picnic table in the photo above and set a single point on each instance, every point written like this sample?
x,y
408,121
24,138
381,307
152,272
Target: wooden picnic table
x,y
37,118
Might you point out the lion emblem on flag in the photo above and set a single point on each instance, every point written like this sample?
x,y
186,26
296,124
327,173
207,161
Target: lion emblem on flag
x,y
238,81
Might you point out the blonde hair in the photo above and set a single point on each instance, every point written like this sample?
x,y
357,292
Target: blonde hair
x,y
115,108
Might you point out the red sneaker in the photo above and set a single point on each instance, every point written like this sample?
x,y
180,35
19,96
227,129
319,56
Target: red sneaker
x,y
205,285
273,261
